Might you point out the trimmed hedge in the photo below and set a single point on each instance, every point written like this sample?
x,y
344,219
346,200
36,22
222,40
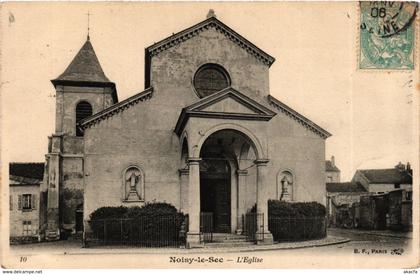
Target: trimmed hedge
x,y
296,221
154,224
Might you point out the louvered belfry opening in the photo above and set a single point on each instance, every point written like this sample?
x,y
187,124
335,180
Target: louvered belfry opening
x,y
83,110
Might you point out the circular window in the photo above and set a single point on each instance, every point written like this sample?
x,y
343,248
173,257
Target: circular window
x,y
209,79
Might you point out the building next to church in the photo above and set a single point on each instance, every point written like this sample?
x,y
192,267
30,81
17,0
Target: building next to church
x,y
204,135
27,202
385,180
332,172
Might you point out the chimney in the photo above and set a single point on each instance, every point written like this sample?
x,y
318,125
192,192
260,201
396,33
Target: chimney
x,y
333,160
408,167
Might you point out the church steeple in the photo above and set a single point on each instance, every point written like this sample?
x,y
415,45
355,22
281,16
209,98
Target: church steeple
x,y
85,67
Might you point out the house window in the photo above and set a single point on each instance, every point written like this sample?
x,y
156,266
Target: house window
x,y
10,203
409,195
26,201
329,179
83,110
397,185
210,78
27,228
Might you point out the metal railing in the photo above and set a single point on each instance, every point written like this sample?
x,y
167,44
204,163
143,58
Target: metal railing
x,y
206,227
253,226
143,231
296,229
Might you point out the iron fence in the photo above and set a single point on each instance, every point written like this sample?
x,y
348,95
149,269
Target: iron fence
x,y
253,225
206,227
295,229
143,231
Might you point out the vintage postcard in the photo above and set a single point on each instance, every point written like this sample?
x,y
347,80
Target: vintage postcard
x,y
209,135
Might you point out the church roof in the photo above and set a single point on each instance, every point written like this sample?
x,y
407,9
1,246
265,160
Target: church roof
x,y
299,117
211,22
116,108
85,70
239,106
85,67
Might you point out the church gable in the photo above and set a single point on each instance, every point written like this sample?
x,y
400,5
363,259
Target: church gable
x,y
229,104
225,104
209,23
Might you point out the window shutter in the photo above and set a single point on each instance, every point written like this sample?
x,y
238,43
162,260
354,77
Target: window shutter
x,y
11,202
33,201
19,202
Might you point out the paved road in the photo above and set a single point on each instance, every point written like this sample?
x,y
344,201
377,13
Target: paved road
x,y
359,241
368,241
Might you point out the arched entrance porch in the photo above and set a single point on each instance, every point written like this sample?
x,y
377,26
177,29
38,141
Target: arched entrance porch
x,y
226,179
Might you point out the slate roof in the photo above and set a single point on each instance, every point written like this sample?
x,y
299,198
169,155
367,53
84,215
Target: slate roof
x,y
85,70
84,67
345,187
27,170
19,181
330,167
387,176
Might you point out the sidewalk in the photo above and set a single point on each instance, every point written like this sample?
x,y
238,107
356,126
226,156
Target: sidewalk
x,y
385,233
74,248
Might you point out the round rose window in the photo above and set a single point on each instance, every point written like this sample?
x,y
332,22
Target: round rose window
x,y
209,79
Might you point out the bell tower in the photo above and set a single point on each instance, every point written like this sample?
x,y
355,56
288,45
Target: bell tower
x,y
81,91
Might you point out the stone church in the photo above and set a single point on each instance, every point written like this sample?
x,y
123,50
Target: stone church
x,y
205,135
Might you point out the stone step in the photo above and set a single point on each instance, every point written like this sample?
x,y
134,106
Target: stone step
x,y
222,237
227,244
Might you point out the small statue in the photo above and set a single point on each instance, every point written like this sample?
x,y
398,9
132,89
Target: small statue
x,y
284,189
132,178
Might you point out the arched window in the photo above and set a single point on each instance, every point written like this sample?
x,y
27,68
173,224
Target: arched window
x,y
83,110
209,79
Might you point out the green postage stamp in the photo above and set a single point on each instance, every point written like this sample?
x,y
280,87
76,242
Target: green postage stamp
x,y
387,35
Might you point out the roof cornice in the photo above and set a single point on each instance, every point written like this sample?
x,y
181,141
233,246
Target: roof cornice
x,y
211,22
58,82
299,117
117,108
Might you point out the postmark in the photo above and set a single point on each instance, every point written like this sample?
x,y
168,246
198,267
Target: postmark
x,y
387,35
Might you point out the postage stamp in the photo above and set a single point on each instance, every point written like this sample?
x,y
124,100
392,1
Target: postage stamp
x,y
387,35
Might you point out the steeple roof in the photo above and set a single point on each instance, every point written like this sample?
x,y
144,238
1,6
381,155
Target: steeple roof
x,y
86,71
85,67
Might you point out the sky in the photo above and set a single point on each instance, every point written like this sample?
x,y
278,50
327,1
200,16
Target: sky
x,y
371,114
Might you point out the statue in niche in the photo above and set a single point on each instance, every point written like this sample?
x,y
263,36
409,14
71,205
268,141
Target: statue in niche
x,y
133,184
286,182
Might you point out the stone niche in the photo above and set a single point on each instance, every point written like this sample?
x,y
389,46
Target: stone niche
x,y
285,186
133,184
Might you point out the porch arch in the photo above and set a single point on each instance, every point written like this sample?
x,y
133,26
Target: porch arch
x,y
255,143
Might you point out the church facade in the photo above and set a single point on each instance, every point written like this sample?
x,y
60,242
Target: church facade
x,y
205,135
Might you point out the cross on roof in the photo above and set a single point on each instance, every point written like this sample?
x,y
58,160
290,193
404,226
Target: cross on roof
x,y
88,24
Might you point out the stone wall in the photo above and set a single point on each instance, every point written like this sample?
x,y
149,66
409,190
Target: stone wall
x,y
387,187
